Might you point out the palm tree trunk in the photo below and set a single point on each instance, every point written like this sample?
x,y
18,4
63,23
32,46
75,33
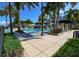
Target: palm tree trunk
x,y
51,23
55,18
6,22
18,19
58,16
50,20
42,19
10,18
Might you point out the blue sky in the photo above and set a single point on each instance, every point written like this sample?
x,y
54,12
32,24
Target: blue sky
x,y
32,14
25,14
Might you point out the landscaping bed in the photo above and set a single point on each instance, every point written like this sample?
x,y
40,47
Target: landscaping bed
x,y
56,31
69,49
11,46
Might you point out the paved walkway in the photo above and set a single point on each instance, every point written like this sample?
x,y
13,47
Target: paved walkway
x,y
46,46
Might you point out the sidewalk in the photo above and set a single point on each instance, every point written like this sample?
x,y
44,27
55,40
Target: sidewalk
x,y
46,46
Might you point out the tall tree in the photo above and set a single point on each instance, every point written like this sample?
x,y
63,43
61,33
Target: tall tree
x,y
42,19
55,7
6,14
10,17
20,5
7,10
73,14
28,21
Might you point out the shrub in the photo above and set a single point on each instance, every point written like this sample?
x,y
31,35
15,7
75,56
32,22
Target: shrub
x,y
69,49
19,31
56,31
11,46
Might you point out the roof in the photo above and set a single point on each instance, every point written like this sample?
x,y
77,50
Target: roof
x,y
66,21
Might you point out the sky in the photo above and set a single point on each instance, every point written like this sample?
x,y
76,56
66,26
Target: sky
x,y
32,14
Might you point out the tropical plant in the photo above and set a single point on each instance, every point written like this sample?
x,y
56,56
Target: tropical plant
x,y
73,14
55,7
11,46
6,14
42,22
10,16
8,10
53,10
62,5
21,5
69,14
28,21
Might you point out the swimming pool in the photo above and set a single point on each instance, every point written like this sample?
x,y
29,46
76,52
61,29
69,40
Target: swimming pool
x,y
29,30
34,30
8,31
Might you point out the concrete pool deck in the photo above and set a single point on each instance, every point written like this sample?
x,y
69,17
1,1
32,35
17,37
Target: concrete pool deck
x,y
46,46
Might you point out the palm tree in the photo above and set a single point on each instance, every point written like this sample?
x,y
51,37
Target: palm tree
x,y
61,5
20,5
42,18
10,16
7,10
6,15
47,11
28,21
2,13
18,15
69,14
55,7
73,14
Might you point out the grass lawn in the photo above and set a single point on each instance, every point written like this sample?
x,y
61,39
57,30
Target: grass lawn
x,y
69,49
11,46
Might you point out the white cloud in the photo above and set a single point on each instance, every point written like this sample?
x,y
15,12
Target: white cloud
x,y
3,23
61,11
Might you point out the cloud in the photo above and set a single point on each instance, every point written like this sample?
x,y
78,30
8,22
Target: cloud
x,y
61,11
3,23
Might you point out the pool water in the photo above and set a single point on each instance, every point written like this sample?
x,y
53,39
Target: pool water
x,y
8,31
34,30
29,30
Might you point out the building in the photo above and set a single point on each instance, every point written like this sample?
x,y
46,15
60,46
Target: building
x,y
66,24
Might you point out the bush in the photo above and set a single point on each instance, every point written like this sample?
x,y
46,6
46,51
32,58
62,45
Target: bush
x,y
19,31
69,49
56,31
11,46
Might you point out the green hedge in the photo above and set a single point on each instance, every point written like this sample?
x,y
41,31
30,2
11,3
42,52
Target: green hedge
x,y
69,49
11,46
